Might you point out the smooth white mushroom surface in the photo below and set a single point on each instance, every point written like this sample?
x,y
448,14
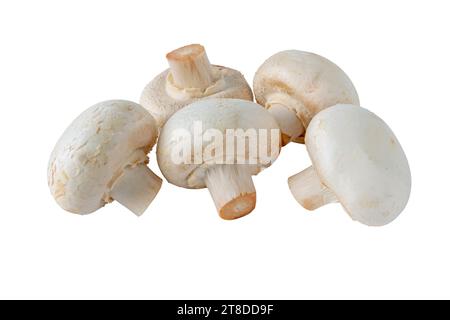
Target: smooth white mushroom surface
x,y
191,77
215,161
102,156
295,85
357,161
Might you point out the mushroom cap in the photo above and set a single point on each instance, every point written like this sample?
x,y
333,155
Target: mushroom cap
x,y
219,114
309,83
94,150
162,99
358,157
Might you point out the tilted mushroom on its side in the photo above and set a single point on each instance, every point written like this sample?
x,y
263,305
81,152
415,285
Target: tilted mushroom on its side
x,y
219,144
295,85
357,161
102,156
191,77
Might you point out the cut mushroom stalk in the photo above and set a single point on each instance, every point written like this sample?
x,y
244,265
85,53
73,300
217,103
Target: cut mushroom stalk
x,y
309,191
190,67
290,125
232,189
136,188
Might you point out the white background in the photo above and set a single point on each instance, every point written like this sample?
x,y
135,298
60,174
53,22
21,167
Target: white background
x,y
59,57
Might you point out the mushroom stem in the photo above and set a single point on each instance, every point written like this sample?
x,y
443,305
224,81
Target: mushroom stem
x,y
190,67
290,125
231,187
309,190
136,188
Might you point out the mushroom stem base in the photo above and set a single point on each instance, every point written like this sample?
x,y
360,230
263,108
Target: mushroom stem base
x,y
190,67
232,189
309,191
136,188
290,125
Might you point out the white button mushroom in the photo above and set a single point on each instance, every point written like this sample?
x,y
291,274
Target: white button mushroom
x,y
358,161
295,85
191,77
223,143
102,157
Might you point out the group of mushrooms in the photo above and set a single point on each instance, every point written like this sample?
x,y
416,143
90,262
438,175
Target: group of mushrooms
x,y
356,158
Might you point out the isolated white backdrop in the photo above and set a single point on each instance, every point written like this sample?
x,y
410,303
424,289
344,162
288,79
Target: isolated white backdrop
x,y
59,57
